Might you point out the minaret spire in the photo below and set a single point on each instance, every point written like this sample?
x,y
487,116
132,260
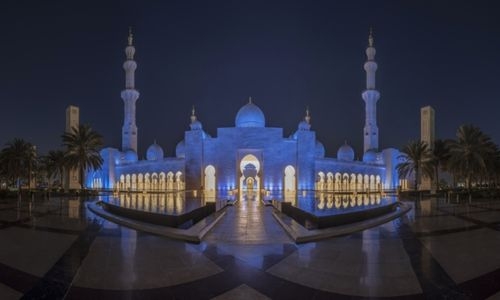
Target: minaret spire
x,y
129,96
130,36
370,37
308,116
370,96
193,115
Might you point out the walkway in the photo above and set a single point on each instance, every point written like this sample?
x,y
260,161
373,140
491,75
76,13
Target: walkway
x,y
248,222
57,249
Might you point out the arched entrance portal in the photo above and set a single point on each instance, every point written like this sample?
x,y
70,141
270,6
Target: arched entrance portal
x,y
249,187
290,179
209,182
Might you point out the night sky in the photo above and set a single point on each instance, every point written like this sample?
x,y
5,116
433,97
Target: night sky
x,y
215,54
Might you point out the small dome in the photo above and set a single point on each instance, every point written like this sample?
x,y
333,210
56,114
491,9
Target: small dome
x,y
250,115
180,149
370,156
155,152
304,126
345,153
319,150
130,156
196,125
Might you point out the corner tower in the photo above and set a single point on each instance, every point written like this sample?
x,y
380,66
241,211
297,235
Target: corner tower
x,y
129,96
370,96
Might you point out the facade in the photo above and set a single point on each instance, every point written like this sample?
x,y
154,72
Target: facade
x,y
249,156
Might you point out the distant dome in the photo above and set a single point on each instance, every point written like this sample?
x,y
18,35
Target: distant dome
x,y
319,150
180,149
250,115
370,156
196,125
304,126
110,153
155,152
130,156
345,153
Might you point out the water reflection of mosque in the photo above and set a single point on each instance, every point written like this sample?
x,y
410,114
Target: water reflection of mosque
x,y
325,201
176,203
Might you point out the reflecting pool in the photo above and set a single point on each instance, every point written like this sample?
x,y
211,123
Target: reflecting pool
x,y
327,204
173,204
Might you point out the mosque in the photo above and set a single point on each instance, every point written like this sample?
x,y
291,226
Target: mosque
x,y
248,157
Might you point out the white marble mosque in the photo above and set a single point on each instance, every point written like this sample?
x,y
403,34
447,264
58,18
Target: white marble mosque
x,y
248,156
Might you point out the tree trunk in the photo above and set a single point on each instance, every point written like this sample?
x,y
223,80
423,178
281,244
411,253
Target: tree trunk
x,y
417,175
437,177
82,179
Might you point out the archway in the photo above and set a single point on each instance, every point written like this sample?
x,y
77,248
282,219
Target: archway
x,y
250,179
290,179
209,178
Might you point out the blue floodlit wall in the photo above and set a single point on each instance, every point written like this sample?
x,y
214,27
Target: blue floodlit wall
x,y
225,152
392,159
267,144
194,158
306,150
107,173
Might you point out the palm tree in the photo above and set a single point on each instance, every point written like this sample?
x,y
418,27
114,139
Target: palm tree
x,y
440,156
469,154
417,161
18,161
494,169
53,163
82,150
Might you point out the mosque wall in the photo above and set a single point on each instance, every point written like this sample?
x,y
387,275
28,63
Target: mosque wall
x,y
194,158
306,150
266,144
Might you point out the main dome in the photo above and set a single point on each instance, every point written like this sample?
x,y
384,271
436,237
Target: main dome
x,y
250,115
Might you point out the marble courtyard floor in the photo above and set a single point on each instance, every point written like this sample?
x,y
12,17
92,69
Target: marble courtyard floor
x,y
56,249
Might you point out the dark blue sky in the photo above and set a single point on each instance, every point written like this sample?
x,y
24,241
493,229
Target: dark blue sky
x,y
214,54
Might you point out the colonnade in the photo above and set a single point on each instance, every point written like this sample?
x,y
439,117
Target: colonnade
x,y
151,182
345,182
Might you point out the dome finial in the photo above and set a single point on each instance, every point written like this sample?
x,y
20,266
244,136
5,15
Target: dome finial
x,y
193,115
130,36
308,116
370,37
249,99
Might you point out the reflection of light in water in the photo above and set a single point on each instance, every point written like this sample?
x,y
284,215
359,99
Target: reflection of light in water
x,y
291,197
321,203
128,248
329,204
164,203
74,208
345,202
370,251
338,202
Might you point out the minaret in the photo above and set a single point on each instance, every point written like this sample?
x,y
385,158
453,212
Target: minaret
x,y
129,96
370,96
